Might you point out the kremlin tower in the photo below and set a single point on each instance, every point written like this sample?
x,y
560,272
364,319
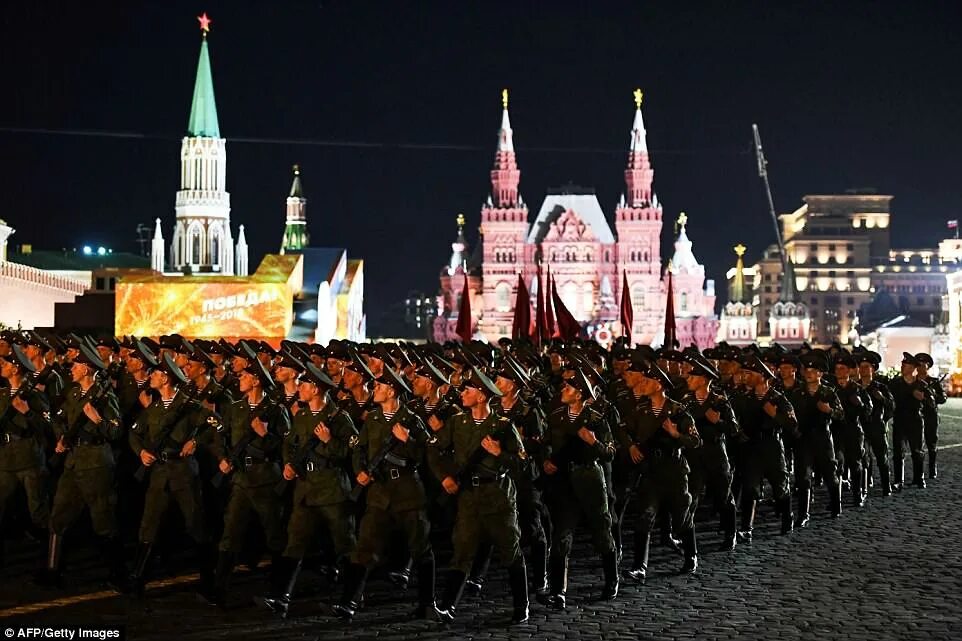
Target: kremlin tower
x,y
202,242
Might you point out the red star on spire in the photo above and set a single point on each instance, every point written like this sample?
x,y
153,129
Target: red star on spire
x,y
204,22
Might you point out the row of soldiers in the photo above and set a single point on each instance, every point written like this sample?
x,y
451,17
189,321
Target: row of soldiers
x,y
514,445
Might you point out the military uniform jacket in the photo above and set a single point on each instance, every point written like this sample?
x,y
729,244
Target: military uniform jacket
x,y
128,397
727,425
755,421
563,446
325,481
882,405
485,481
259,463
528,420
194,421
50,382
21,435
217,395
810,418
935,397
395,484
91,448
856,405
908,409
645,431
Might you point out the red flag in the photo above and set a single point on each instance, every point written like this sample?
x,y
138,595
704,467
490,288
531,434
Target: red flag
x,y
522,311
627,311
464,314
568,326
670,339
548,307
540,324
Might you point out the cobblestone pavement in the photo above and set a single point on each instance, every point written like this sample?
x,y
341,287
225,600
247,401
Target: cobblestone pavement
x,y
891,570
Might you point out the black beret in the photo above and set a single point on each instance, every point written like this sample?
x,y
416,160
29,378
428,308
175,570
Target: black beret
x,y
910,359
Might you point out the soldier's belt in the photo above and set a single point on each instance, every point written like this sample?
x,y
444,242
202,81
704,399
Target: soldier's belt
x,y
9,438
165,456
317,465
477,480
250,461
95,441
658,453
574,465
394,473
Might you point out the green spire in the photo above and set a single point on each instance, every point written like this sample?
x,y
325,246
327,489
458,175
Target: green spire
x,y
203,110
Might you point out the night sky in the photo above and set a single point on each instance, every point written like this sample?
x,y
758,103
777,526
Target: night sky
x,y
847,95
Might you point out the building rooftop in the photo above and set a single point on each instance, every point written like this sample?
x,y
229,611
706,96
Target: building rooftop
x,y
77,260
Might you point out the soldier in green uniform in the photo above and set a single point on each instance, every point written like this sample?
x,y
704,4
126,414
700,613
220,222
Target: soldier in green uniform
x,y
24,417
86,425
816,405
316,457
577,438
876,430
477,454
248,448
165,439
930,410
389,450
655,437
857,408
48,379
910,394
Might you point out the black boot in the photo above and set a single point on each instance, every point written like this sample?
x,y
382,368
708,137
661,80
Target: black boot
x,y
667,539
690,546
518,581
557,583
427,609
217,594
137,580
785,509
51,575
354,578
479,570
858,489
609,564
452,595
804,507
933,468
283,580
728,518
539,567
898,474
835,500
207,557
402,576
918,465
748,519
112,553
639,569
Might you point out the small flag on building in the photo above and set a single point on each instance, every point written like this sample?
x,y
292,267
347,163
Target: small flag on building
x,y
953,224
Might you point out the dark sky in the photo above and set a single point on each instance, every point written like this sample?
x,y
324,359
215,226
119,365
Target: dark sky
x,y
847,94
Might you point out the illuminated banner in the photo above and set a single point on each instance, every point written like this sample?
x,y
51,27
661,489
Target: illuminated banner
x,y
204,309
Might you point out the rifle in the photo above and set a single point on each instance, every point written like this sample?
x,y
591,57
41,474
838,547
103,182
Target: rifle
x,y
473,461
171,424
596,412
304,451
238,450
96,392
28,384
383,453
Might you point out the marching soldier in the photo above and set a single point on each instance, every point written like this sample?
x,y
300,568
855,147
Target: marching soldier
x,y
930,410
389,451
86,425
816,405
577,439
477,455
710,470
876,429
24,418
316,454
657,435
910,395
857,405
765,414
248,449
165,438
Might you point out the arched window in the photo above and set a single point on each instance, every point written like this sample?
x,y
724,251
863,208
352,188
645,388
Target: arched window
x,y
607,256
638,296
195,246
215,248
646,257
502,297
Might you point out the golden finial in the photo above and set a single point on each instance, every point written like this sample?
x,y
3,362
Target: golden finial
x,y
682,219
460,220
740,250
638,96
504,98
